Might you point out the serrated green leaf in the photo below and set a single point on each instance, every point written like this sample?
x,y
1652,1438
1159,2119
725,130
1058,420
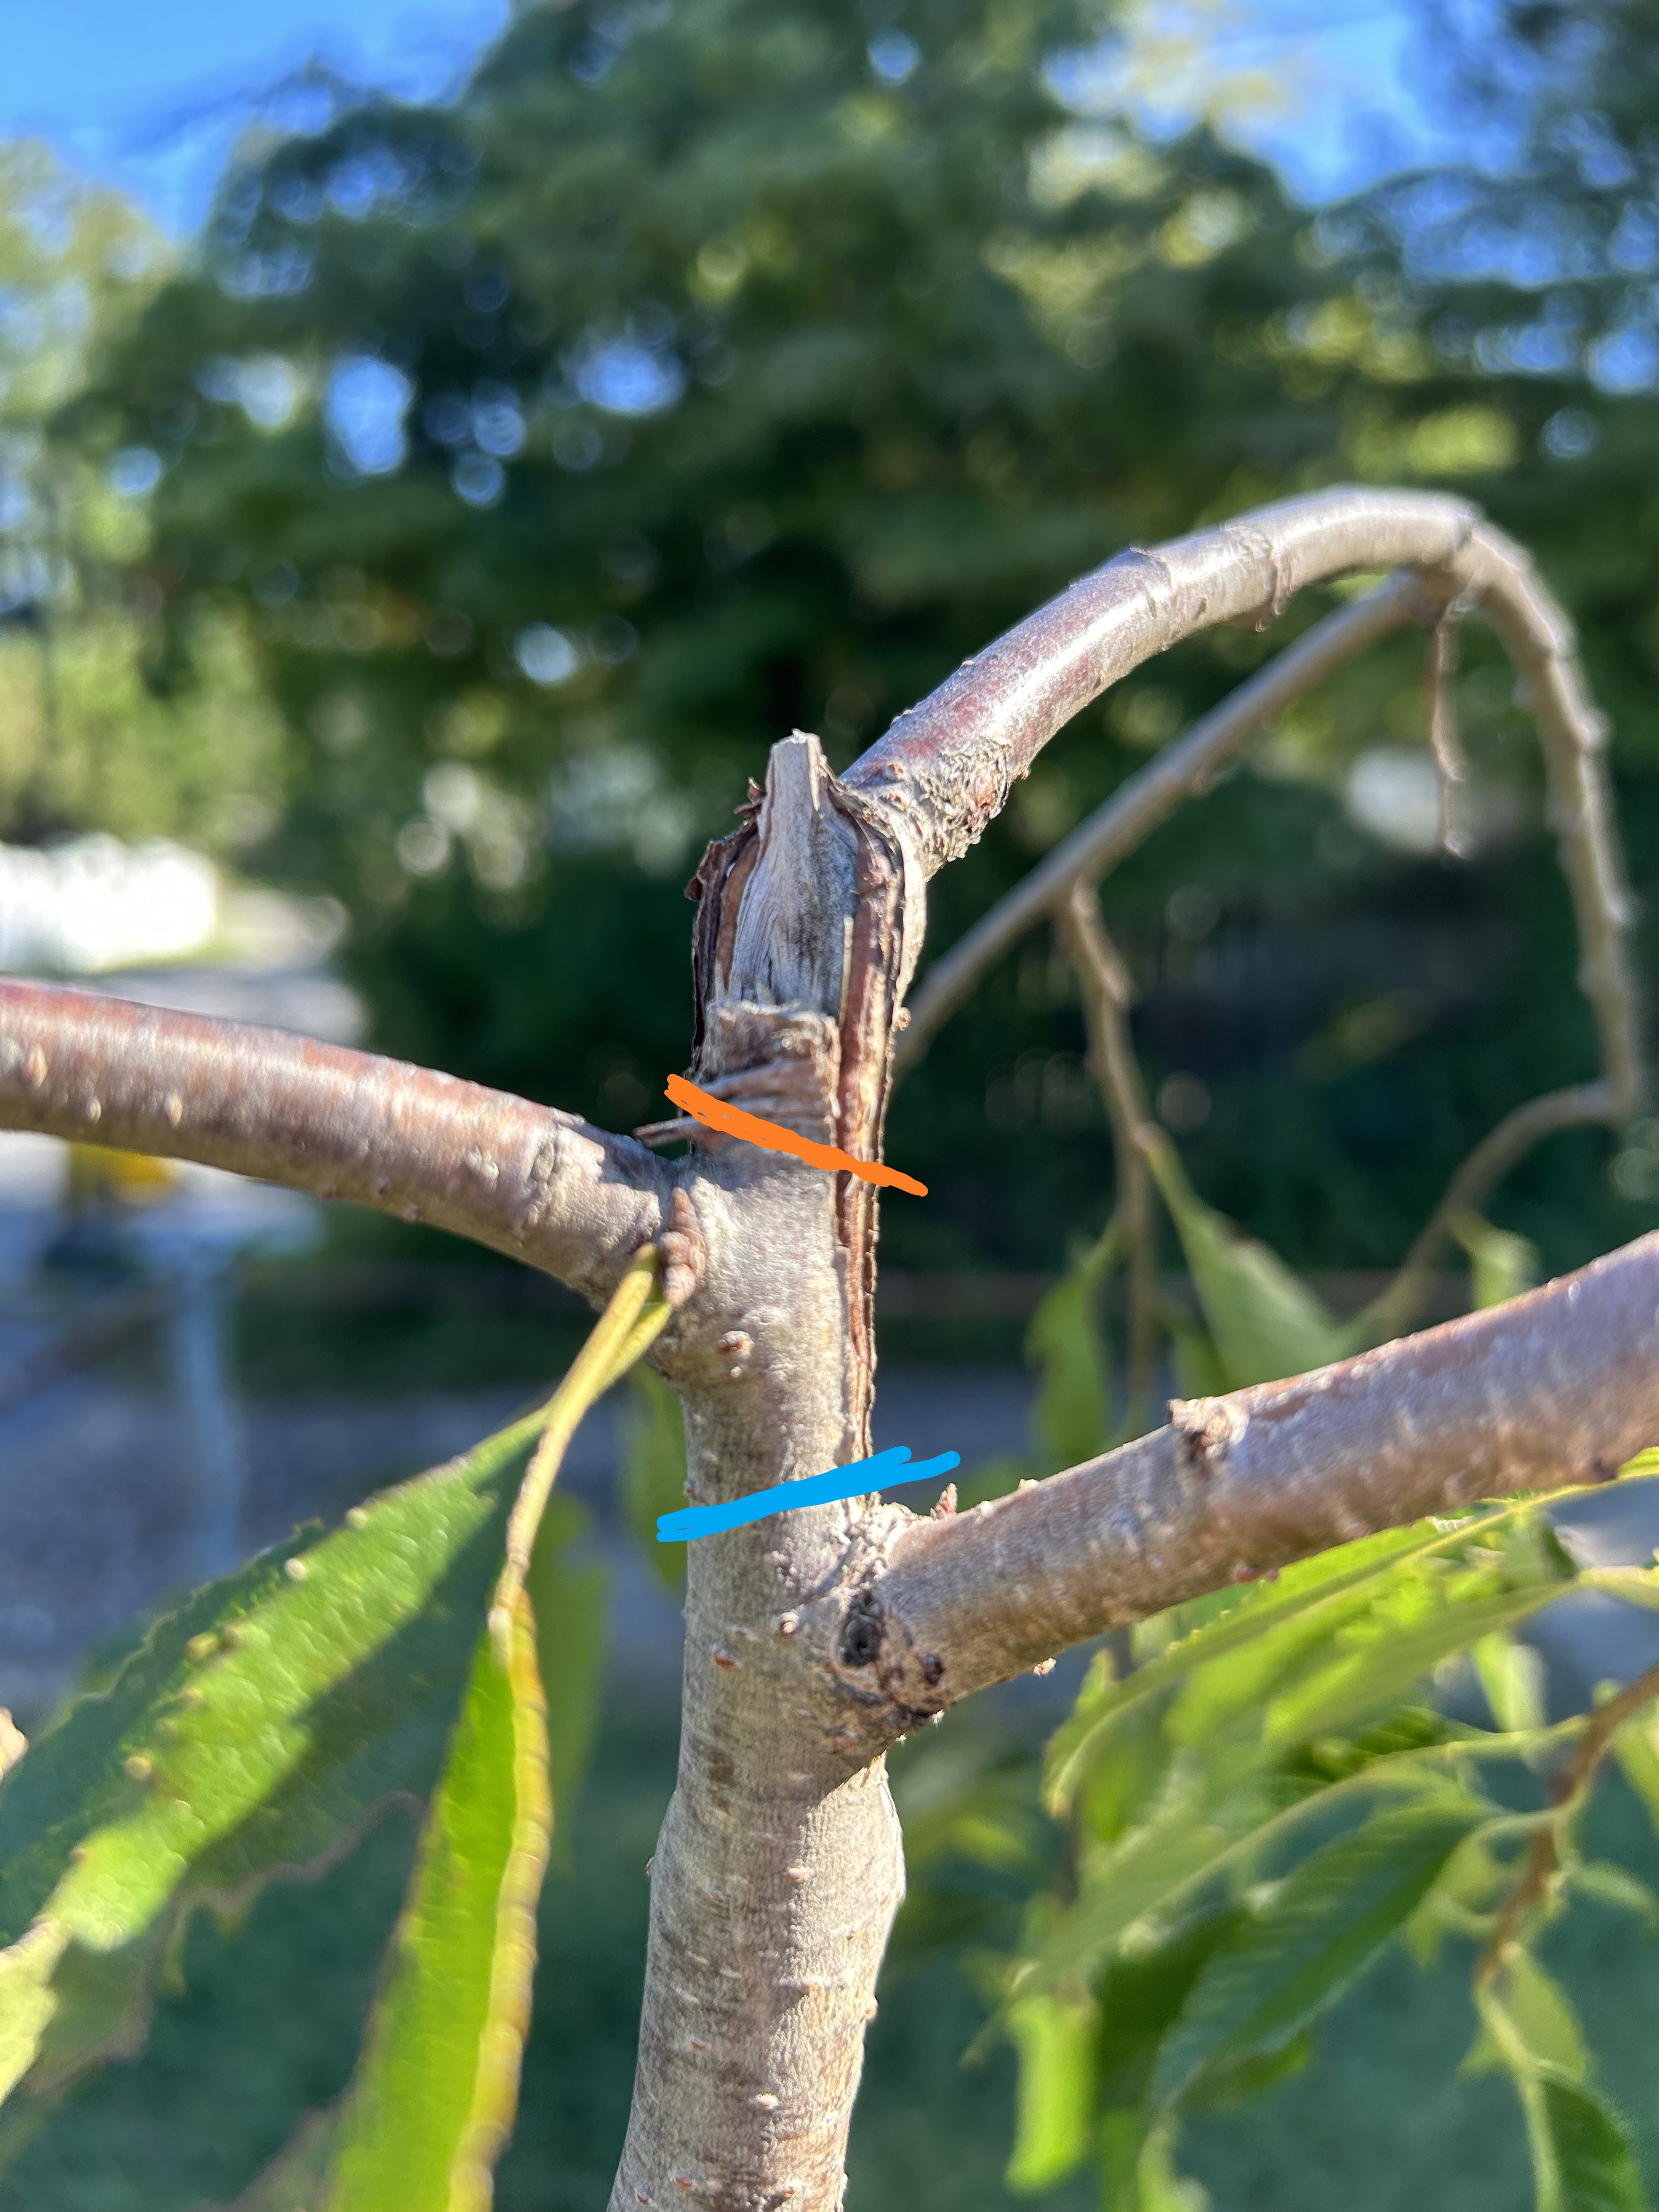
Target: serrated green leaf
x,y
1273,1632
1206,1810
1072,1416
1105,1703
1501,1265
1264,1320
432,2100
1320,1930
569,1590
1139,1995
1054,2107
1581,2159
652,1470
1539,2012
27,2003
255,1730
434,2097
1387,1661
252,1732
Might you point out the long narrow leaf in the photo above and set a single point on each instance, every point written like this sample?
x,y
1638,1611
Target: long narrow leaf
x,y
1581,2159
1318,1932
432,2100
1265,1321
434,2097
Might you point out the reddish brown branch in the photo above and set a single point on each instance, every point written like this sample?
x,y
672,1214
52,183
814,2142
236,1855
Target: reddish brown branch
x,y
1566,1792
540,1185
1555,1388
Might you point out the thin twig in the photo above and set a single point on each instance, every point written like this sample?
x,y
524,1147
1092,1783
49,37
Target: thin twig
x,y
539,1185
1181,771
1566,1793
1501,1149
1443,731
1107,995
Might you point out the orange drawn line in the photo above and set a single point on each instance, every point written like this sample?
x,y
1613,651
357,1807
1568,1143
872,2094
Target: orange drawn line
x,y
734,1122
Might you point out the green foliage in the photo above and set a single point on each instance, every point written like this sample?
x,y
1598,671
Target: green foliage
x,y
1581,2157
433,2099
254,1732
1252,1815
1263,1321
84,741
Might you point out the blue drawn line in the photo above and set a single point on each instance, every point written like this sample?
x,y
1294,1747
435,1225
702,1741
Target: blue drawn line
x,y
854,1481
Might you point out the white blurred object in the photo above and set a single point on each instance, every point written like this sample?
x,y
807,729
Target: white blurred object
x,y
92,902
1394,791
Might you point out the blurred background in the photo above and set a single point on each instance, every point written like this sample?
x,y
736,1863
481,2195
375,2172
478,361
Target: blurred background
x,y
440,453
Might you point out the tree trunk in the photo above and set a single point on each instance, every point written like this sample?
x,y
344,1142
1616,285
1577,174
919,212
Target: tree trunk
x,y
780,1866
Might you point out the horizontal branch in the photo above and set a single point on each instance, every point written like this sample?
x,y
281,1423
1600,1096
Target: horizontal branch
x,y
1181,771
525,1180
1557,1388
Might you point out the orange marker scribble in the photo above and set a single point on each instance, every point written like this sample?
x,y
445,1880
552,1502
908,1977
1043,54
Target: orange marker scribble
x,y
715,1113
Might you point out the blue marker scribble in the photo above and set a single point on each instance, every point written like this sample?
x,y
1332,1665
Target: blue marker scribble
x,y
863,1475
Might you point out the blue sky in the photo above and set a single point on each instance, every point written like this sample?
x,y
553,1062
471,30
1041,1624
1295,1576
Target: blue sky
x,y
150,94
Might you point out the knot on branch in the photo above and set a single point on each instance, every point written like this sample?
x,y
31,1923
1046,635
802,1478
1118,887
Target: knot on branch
x,y
1206,1429
684,1251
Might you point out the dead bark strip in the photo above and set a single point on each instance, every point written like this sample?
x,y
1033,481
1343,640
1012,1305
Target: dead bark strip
x,y
780,1867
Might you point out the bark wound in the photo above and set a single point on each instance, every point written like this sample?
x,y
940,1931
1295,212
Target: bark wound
x,y
780,1866
1206,1429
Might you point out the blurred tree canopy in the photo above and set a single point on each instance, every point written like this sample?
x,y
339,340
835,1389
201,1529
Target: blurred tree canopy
x,y
713,369
84,739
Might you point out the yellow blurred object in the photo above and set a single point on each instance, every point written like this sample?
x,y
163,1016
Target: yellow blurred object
x,y
98,1174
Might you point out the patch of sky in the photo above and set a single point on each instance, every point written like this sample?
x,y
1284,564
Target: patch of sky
x,y
365,406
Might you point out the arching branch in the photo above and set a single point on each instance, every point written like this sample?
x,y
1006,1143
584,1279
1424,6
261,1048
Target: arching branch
x,y
945,768
525,1180
1183,770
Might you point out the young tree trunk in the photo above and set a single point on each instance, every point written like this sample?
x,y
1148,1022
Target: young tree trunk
x,y
816,1638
